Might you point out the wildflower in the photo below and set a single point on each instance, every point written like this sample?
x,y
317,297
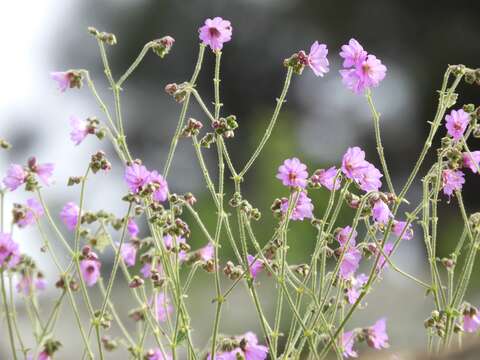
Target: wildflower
x,y
370,178
156,354
132,228
353,54
69,215
399,229
348,340
377,337
161,193
44,356
251,349
473,161
350,262
347,234
215,33
207,252
381,212
128,251
9,251
34,212
136,176
16,176
452,180
354,163
90,269
62,78
303,208
162,306
364,76
26,285
317,59
293,173
80,130
44,171
255,266
169,244
456,123
387,250
356,283
471,321
327,178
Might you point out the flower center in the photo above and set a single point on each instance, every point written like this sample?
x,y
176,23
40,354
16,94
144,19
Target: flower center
x,y
214,32
90,269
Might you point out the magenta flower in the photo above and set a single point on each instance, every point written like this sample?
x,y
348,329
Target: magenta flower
x,y
90,269
161,193
16,176
34,212
215,33
327,178
62,78
346,235
350,262
370,179
162,306
69,215
132,228
354,163
356,283
136,176
156,354
207,252
303,209
293,173
169,244
471,322
381,212
255,266
9,251
317,59
353,54
377,337
399,229
452,180
44,356
473,161
382,262
128,251
251,349
456,123
79,130
348,340
227,355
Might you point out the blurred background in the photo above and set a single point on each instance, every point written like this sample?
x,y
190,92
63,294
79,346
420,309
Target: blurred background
x,y
415,40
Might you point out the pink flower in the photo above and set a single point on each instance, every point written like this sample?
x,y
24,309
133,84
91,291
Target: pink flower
x,y
132,228
354,163
377,337
456,123
44,356
169,244
156,354
69,215
251,349
62,78
226,355
9,251
399,229
136,176
27,286
90,269
348,340
317,59
146,270
255,266
346,235
163,306
473,161
293,173
452,180
34,212
364,76
382,262
353,54
350,262
207,252
303,209
44,172
327,178
381,212
356,283
471,322
16,176
370,179
40,282
79,130
215,33
128,251
161,194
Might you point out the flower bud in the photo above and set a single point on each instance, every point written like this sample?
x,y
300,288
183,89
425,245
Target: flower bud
x,y
162,46
4,144
136,282
109,344
207,140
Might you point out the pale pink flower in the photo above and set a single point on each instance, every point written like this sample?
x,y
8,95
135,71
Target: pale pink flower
x,y
452,180
350,262
215,33
382,262
79,130
255,266
356,283
207,252
163,307
90,269
399,229
136,176
132,228
472,160
327,178
62,78
156,354
377,337
251,349
370,178
69,215
34,212
15,177
381,212
354,163
347,235
293,173
456,123
161,193
128,251
303,209
353,54
348,340
44,172
9,251
471,322
317,59
169,244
